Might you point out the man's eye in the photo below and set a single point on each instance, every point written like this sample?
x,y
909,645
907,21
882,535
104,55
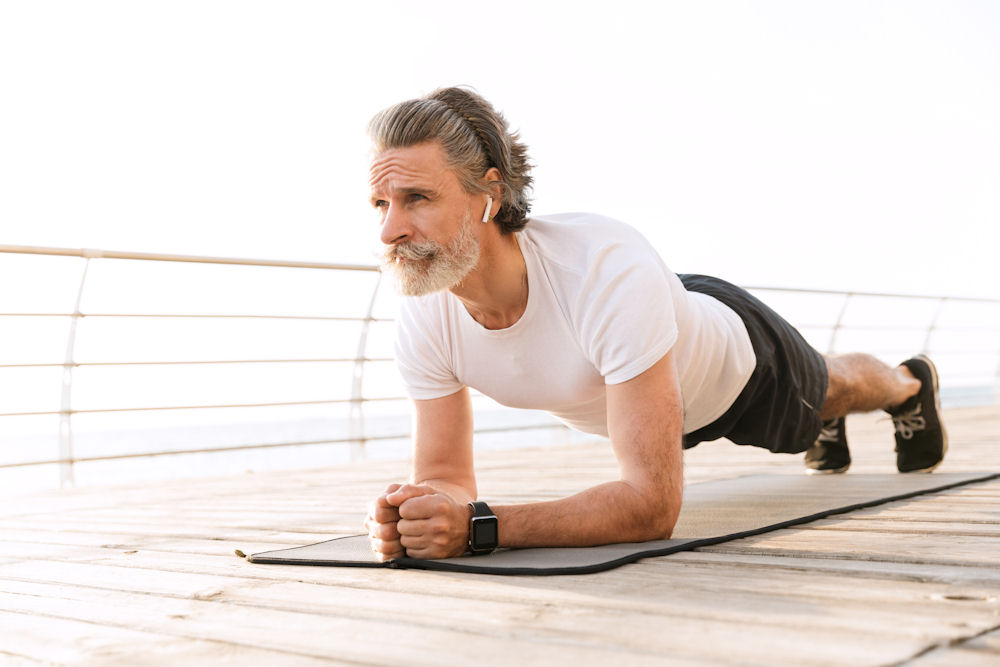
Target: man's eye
x,y
380,203
417,197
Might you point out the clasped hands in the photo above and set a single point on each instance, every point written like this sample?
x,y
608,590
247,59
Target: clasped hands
x,y
419,521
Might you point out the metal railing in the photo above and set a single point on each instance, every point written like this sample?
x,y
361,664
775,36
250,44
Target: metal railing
x,y
357,435
941,303
66,457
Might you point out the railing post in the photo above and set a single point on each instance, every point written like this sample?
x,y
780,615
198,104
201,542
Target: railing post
x,y
66,474
930,330
831,348
356,419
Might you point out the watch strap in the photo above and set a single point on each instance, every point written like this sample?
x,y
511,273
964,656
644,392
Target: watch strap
x,y
479,508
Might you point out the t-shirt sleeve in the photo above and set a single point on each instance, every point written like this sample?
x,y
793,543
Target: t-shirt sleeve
x,y
627,319
422,352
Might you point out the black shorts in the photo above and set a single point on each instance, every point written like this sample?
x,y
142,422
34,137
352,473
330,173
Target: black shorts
x,y
778,408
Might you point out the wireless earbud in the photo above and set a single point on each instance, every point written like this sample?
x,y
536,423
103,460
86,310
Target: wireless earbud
x,y
489,205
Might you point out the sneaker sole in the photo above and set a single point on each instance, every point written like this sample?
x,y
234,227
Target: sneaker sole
x,y
937,407
828,471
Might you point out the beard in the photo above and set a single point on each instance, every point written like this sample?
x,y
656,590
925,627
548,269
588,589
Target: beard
x,y
429,266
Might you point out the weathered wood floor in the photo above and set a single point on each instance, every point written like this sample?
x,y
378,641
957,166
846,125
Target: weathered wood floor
x,y
147,575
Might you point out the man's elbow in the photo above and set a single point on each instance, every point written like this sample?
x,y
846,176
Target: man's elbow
x,y
657,516
664,522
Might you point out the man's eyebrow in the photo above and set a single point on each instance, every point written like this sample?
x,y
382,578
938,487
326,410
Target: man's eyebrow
x,y
410,190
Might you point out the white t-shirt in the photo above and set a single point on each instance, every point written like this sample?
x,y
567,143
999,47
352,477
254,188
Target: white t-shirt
x,y
602,308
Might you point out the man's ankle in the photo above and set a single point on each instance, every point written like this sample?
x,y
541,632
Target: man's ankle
x,y
908,386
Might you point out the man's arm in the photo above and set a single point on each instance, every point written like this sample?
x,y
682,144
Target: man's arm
x,y
442,485
442,445
645,422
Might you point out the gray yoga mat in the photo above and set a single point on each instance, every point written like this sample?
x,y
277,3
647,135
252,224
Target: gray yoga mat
x,y
712,512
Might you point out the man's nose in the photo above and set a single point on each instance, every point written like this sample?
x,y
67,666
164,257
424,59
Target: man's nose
x,y
396,226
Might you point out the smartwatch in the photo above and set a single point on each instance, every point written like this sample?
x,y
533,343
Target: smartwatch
x,y
484,529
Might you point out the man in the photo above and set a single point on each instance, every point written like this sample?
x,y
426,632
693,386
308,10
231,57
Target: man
x,y
576,314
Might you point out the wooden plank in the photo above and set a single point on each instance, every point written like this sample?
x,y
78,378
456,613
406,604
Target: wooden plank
x,y
897,547
848,570
30,640
942,528
193,541
136,525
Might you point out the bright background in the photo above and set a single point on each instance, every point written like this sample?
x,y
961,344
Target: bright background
x,y
851,145
843,145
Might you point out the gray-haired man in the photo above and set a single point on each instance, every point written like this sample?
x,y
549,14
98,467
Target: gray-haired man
x,y
576,314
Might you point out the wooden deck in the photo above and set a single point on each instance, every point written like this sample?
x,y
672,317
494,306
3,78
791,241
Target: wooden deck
x,y
147,575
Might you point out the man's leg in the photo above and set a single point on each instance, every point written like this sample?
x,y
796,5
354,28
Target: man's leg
x,y
775,409
909,392
862,383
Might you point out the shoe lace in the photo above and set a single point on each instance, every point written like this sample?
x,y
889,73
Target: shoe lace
x,y
908,423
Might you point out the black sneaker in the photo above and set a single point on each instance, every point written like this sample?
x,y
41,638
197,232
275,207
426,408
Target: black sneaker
x,y
921,440
829,455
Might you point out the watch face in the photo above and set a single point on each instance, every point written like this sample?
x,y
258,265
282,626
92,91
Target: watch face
x,y
484,532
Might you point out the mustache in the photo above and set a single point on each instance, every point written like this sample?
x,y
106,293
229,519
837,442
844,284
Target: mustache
x,y
411,250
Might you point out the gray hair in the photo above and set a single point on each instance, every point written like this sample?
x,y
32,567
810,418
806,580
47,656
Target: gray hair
x,y
475,137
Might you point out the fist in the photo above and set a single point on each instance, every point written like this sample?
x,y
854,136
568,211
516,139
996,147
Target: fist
x,y
382,526
431,523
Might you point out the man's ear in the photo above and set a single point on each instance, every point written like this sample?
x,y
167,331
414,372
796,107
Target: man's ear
x,y
494,180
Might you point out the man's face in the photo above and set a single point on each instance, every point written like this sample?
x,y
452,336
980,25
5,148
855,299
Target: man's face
x,y
426,217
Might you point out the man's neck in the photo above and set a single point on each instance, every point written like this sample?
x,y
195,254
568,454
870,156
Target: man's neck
x,y
496,292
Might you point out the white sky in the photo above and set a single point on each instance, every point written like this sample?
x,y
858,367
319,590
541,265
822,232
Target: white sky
x,y
850,145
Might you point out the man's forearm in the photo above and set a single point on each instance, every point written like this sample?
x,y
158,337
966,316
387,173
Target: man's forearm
x,y
611,512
